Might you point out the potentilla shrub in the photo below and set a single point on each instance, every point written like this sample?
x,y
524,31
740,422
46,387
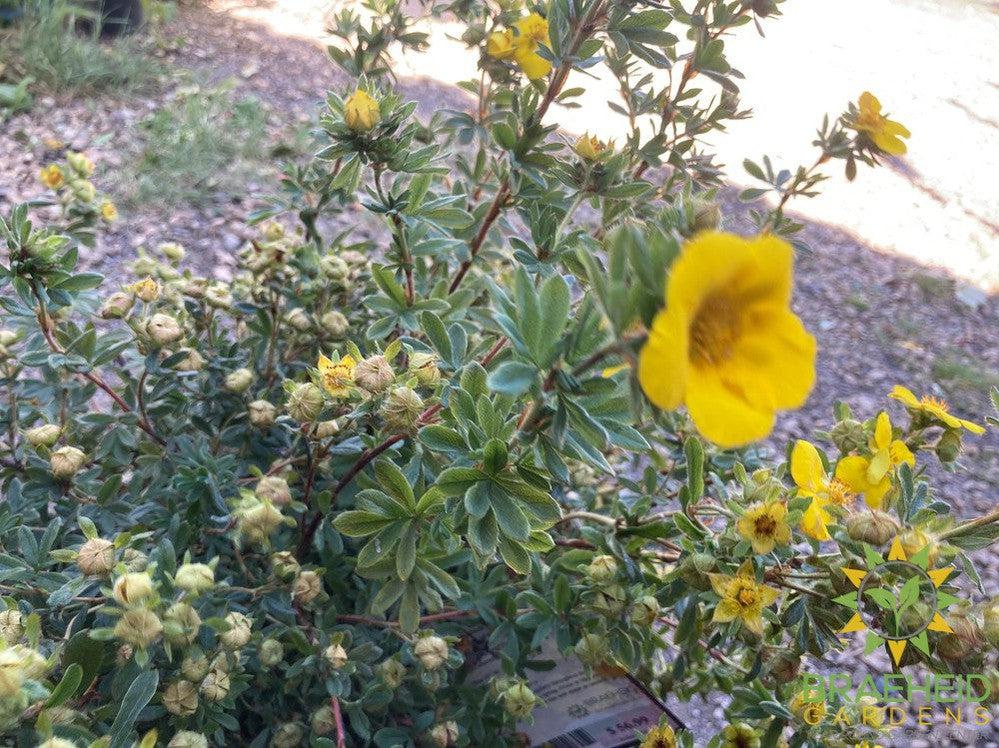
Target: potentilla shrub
x,y
293,508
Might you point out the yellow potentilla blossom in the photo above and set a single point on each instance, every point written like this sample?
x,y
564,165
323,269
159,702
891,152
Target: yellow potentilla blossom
x,y
659,737
500,45
590,148
337,376
742,598
109,211
532,31
727,343
765,526
52,177
936,409
812,481
872,476
360,111
146,289
886,134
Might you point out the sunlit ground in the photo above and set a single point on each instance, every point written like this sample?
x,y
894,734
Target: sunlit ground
x,y
934,65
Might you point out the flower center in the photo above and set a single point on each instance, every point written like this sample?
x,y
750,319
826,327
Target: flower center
x,y
714,331
747,597
935,402
765,526
838,493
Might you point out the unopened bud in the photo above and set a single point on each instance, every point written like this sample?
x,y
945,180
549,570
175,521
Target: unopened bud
x,y
334,268
307,587
79,163
602,569
305,401
360,111
374,374
96,557
193,361
271,652
188,739
392,672
326,429
849,435
145,290
133,588
139,627
591,649
948,446
216,685
172,251
194,578
163,329
43,436
181,698
117,305
218,296
645,611
288,735
402,410
257,522
195,666
424,367
239,632
83,190
519,701
274,489
11,625
874,527
707,214
135,560
335,324
262,414
66,462
914,540
335,655
431,651
299,320
444,734
239,381
284,565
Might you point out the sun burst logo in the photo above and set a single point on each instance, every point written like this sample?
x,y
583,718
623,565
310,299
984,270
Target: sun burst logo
x,y
897,601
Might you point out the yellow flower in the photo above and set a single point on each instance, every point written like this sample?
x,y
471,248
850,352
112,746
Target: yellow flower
x,y
500,45
590,148
934,408
765,526
52,177
337,376
532,30
146,289
886,134
360,111
109,212
659,737
727,344
742,598
872,477
810,477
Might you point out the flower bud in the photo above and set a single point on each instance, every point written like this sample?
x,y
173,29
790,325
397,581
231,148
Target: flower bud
x,y
334,268
284,565
43,436
194,361
299,320
602,569
146,290
79,163
131,589
272,231
431,651
96,557
117,305
195,666
288,735
335,655
11,673
948,447
135,560
218,296
323,722
181,698
194,578
11,625
274,489
782,665
444,734
707,214
239,380
645,611
740,735
172,251
874,527
54,742
374,374
591,649
360,111
914,540
424,367
163,329
271,652
8,337
123,654
590,148
335,324
990,617
239,632
216,685
402,410
52,177
519,701
83,190
66,462
392,672
849,436
188,739
326,429
305,402
307,587
139,627
964,639
257,522
262,414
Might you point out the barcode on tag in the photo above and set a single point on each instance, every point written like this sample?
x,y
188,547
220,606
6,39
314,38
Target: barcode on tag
x,y
572,739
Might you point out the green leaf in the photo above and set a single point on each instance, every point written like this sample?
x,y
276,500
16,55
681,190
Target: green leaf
x,y
511,519
515,556
358,524
495,456
513,378
455,481
88,654
442,439
405,557
554,302
67,687
395,483
136,697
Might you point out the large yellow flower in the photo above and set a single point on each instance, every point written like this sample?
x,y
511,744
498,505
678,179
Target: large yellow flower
x,y
52,177
936,409
337,376
812,481
532,31
727,343
765,526
872,476
659,737
500,45
360,111
742,598
886,134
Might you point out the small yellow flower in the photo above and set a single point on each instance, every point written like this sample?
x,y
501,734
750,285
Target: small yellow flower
x,y
659,737
532,31
500,45
934,408
727,343
765,526
52,177
872,477
337,376
810,477
590,148
360,111
146,289
109,212
886,134
742,598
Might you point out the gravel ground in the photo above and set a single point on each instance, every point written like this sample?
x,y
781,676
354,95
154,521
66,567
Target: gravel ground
x,y
899,286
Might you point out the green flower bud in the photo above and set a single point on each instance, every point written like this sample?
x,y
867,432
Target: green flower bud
x,y
849,436
257,521
307,587
374,374
519,701
8,337
326,429
334,268
949,446
193,362
239,381
335,655
194,578
964,639
262,414
83,190
591,649
11,625
218,296
402,410
431,651
444,734
707,214
188,739
181,698
80,164
740,735
645,611
163,329
305,401
138,627
43,436
180,624
335,324
392,672
271,652
284,565
66,462
116,306
323,722
274,489
133,588
54,742
11,673
216,685
602,569
172,251
424,367
299,320
135,560
874,527
239,632
195,666
288,735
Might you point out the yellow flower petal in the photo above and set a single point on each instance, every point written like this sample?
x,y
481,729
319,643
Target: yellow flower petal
x,y
882,430
869,102
904,395
662,363
815,519
534,65
806,466
726,610
721,415
974,428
